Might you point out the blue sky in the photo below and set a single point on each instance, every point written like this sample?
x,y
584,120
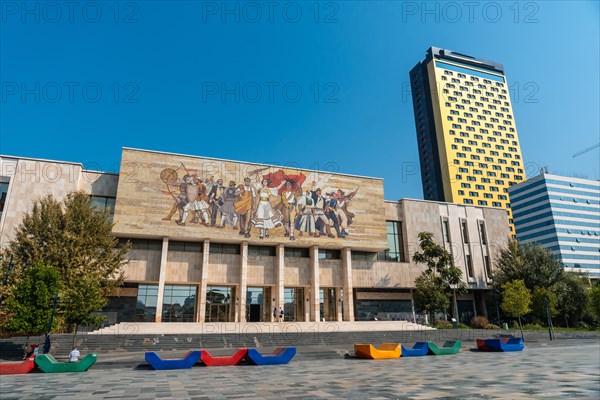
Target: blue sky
x,y
319,85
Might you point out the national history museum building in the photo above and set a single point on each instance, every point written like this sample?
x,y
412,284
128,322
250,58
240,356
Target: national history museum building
x,y
226,241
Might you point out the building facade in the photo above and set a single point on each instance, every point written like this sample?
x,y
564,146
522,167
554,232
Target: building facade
x,y
466,133
333,249
561,214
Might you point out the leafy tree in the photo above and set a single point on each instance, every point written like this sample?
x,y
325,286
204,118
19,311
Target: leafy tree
x,y
538,268
531,263
427,295
538,300
594,302
516,300
572,298
76,239
440,282
29,307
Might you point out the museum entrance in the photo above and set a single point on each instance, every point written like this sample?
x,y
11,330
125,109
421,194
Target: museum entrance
x,y
218,303
258,307
327,307
293,304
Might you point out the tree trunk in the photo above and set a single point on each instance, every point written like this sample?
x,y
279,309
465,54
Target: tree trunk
x,y
521,328
26,349
454,306
75,334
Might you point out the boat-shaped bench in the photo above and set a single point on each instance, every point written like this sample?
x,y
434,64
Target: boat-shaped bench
x,y
512,344
449,347
47,363
385,350
19,367
217,361
482,346
419,349
188,361
281,355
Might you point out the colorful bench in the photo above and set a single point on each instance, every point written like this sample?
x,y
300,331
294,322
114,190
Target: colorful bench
x,y
212,361
418,350
482,346
188,361
281,355
449,347
48,364
504,344
23,367
384,351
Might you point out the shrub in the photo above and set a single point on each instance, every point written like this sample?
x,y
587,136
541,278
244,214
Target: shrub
x,y
492,326
479,322
463,326
440,324
533,327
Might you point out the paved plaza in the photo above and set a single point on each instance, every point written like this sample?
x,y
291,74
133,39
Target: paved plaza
x,y
557,370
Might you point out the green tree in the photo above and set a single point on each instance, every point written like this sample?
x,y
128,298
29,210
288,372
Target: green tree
x,y
538,303
531,263
427,295
76,239
29,306
440,282
572,298
538,268
594,302
516,300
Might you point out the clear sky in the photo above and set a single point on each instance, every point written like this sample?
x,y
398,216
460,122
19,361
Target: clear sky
x,y
320,85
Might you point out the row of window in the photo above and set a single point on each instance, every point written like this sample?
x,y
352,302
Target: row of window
x,y
472,78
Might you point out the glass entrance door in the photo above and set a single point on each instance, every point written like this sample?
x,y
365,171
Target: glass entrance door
x,y
218,303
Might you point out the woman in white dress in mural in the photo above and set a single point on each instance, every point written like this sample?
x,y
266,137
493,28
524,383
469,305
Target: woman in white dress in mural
x,y
266,217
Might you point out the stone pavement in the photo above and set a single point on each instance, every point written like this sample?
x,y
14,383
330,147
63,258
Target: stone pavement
x,y
557,370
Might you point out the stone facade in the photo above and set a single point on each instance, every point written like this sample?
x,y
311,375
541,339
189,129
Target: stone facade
x,y
308,282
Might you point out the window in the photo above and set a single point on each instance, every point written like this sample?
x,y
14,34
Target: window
x,y
326,254
224,248
257,251
482,232
190,247
465,231
488,266
3,194
363,256
469,261
179,303
141,244
297,252
103,202
395,250
445,231
145,310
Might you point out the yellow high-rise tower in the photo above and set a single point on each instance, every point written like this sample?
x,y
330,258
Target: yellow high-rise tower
x,y
468,143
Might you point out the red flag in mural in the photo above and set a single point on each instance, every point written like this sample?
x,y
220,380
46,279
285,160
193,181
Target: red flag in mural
x,y
277,177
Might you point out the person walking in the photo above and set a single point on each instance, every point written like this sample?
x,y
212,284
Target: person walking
x,y
281,314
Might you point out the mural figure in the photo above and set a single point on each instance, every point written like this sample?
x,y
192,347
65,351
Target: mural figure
x,y
216,201
287,207
299,212
245,205
305,219
321,220
331,213
227,210
344,216
266,217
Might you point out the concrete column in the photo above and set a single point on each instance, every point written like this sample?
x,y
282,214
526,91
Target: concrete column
x,y
161,279
201,302
338,304
279,279
348,289
241,307
314,303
